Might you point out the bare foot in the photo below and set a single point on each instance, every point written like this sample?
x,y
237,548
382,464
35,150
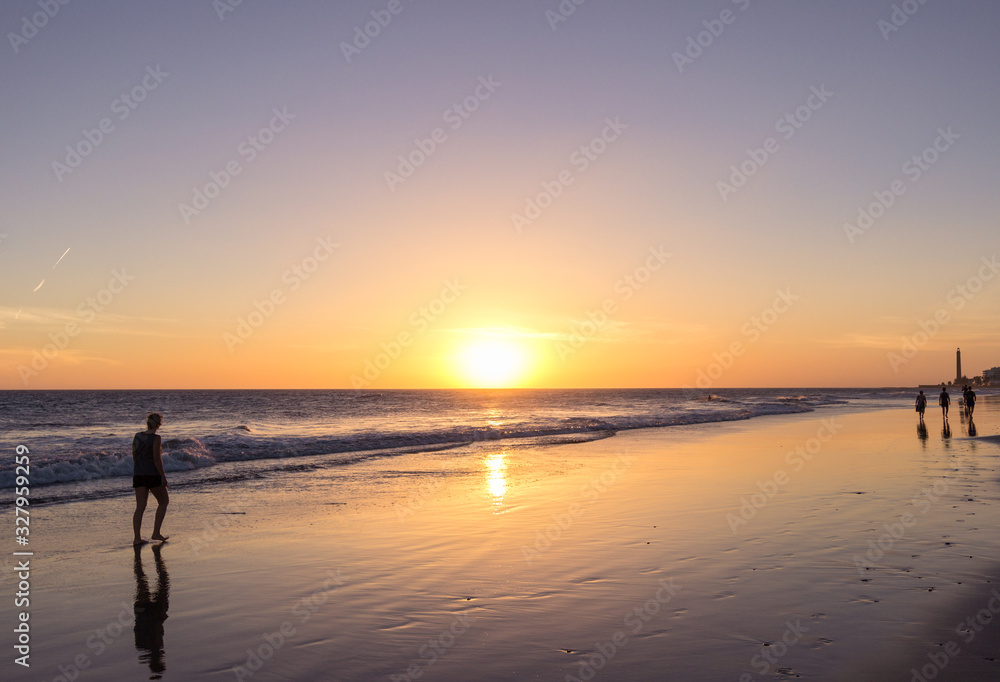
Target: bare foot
x,y
139,542
161,538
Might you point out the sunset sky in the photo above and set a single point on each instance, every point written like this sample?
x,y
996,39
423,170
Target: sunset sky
x,y
494,193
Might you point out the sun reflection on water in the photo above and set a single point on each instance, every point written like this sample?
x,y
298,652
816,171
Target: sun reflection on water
x,y
496,476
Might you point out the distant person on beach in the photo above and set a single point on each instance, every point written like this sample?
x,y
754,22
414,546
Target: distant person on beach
x,y
921,404
970,401
944,400
147,477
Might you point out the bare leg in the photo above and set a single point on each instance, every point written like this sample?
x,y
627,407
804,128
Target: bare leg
x,y
141,496
162,500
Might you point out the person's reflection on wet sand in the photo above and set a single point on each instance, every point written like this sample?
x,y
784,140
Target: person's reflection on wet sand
x,y
972,428
922,432
150,612
946,431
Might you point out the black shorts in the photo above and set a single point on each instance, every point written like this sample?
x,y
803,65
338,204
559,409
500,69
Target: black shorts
x,y
154,481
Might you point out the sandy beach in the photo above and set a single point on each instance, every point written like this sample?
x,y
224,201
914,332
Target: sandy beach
x,y
829,545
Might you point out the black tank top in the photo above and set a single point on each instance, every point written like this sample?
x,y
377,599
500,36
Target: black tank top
x,y
142,455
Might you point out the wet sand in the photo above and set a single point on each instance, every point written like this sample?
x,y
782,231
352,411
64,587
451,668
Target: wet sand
x,y
829,545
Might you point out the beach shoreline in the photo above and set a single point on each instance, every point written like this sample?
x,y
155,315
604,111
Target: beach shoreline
x,y
705,550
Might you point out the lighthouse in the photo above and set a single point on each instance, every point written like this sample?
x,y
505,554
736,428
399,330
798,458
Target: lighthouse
x,y
958,366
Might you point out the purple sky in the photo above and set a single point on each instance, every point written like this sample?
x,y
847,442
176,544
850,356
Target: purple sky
x,y
321,168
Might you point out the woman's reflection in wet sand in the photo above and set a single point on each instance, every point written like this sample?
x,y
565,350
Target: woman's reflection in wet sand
x,y
150,612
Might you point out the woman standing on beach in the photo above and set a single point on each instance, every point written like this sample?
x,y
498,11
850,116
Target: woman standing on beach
x,y
148,476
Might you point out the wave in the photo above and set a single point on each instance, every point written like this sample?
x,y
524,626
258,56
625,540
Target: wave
x,y
109,457
179,454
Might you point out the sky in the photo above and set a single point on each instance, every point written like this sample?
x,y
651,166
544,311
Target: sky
x,y
399,194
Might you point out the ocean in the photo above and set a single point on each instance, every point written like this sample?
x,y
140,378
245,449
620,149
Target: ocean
x,y
80,441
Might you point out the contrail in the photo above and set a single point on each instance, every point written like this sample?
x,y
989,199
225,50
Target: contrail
x,y
38,287
61,257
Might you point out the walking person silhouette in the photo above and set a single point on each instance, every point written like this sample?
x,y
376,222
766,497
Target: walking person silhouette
x,y
148,477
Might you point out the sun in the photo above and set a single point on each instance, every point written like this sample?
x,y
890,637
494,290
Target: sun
x,y
492,363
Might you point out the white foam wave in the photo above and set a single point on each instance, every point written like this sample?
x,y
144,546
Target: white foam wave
x,y
179,455
186,454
